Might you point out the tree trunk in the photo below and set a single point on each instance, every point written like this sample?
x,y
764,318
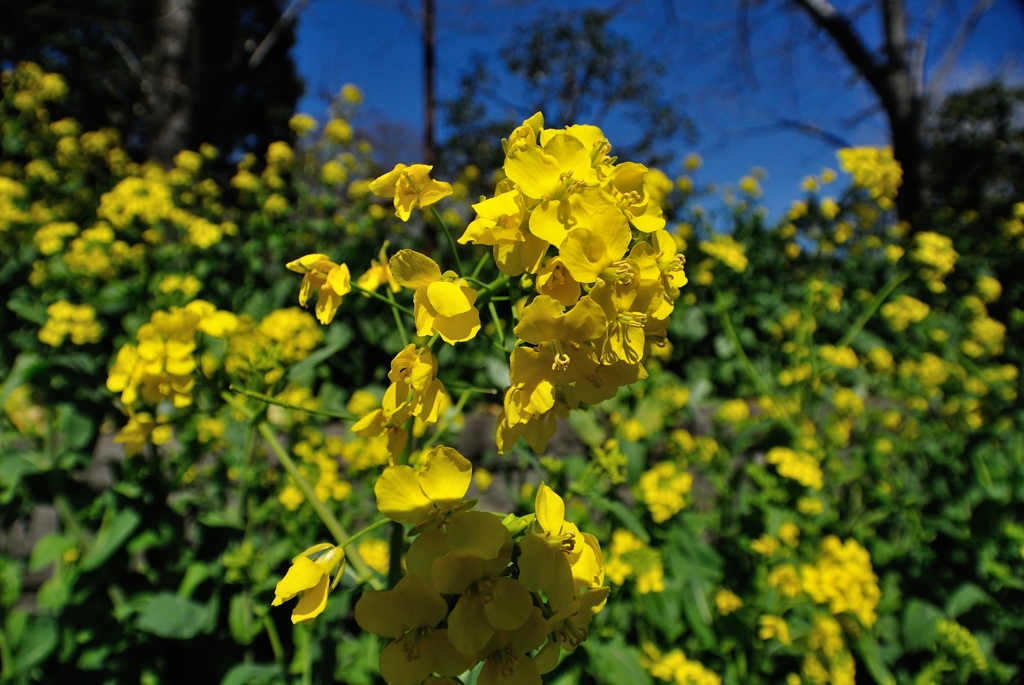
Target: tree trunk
x,y
170,98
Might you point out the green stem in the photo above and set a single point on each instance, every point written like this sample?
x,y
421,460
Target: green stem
x,y
391,303
270,400
496,284
398,530
333,526
748,366
873,306
480,265
275,640
5,654
451,241
498,327
369,529
399,324
250,450
473,388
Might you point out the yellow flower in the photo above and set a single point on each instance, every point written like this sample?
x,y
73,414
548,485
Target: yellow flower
x,y
785,579
733,411
443,302
410,186
379,273
409,614
727,601
800,466
309,577
548,555
774,627
332,280
302,124
376,553
431,493
766,545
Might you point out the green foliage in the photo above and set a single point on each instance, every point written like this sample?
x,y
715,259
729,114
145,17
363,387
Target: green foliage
x,y
782,357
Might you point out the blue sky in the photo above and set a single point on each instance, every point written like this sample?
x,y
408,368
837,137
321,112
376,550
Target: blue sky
x,y
736,104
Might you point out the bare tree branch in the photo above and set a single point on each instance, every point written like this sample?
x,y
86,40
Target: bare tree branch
x,y
829,19
290,14
953,50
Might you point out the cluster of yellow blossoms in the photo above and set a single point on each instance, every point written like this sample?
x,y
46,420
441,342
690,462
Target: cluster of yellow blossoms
x,y
75,320
674,667
843,579
874,169
629,556
799,466
903,311
937,257
475,592
603,298
664,488
415,392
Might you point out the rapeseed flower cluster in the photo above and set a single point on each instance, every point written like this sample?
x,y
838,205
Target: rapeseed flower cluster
x,y
628,556
903,311
473,592
799,466
937,257
664,488
875,170
77,321
415,392
674,667
843,579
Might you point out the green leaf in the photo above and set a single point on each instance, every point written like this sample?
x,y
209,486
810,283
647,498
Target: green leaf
x,y
623,513
244,626
253,674
24,367
47,550
965,598
614,663
920,621
111,536
357,660
872,656
588,428
36,643
167,615
338,337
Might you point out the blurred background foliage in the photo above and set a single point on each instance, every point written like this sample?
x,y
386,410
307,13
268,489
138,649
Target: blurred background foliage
x,y
821,480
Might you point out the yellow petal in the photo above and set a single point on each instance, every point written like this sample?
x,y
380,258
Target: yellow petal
x,y
537,174
445,475
536,562
303,575
306,264
468,627
571,155
517,670
405,663
327,303
478,533
384,186
508,605
550,510
312,602
460,328
448,298
340,280
414,270
411,604
399,496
